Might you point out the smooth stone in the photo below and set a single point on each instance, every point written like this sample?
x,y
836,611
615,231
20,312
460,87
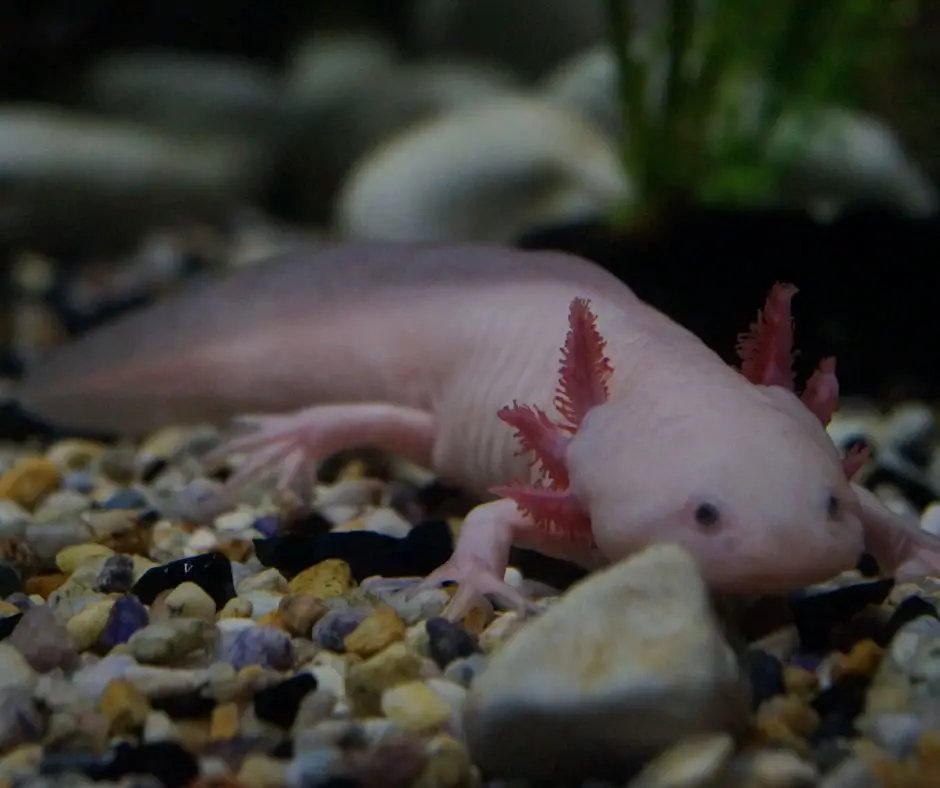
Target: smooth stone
x,y
348,93
636,641
187,93
479,174
100,183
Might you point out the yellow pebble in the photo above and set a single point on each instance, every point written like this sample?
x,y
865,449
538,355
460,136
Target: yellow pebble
x,y
124,706
68,559
329,578
375,632
260,771
43,585
477,618
862,660
25,757
237,608
189,600
415,707
356,524
448,764
225,722
74,454
799,681
272,619
29,481
86,626
455,524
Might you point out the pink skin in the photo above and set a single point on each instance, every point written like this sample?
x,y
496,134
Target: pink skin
x,y
414,349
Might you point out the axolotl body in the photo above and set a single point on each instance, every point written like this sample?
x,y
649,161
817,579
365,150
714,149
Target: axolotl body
x,y
591,424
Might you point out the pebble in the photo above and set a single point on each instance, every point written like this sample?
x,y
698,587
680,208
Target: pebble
x,y
648,647
259,645
88,625
43,641
415,707
125,708
126,617
29,481
375,632
168,642
188,600
330,578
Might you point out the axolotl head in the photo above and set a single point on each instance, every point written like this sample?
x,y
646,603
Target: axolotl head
x,y
737,477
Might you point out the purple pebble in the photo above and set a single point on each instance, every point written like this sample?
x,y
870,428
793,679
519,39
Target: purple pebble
x,y
127,616
266,526
265,646
331,630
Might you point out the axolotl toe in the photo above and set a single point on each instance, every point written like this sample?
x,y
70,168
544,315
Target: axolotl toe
x,y
634,433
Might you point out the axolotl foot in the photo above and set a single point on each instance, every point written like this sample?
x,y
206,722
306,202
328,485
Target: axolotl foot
x,y
478,564
292,445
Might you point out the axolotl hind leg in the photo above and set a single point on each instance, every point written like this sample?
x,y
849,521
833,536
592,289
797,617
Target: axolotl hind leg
x,y
543,514
292,445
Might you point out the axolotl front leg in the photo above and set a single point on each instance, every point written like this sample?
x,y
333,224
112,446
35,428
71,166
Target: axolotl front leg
x,y
897,542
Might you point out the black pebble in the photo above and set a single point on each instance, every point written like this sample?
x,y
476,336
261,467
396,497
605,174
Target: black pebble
x,y
210,571
172,765
72,762
911,608
448,641
439,500
554,572
838,706
816,613
424,549
766,674
8,624
283,750
307,524
279,703
10,580
868,566
188,706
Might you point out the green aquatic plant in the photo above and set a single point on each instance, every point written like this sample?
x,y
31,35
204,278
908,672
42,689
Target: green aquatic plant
x,y
695,122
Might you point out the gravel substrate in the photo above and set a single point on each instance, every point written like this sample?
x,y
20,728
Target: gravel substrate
x,y
151,630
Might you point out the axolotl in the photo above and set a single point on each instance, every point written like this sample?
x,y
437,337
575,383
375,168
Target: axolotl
x,y
589,423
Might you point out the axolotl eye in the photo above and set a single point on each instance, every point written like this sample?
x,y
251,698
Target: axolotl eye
x,y
707,516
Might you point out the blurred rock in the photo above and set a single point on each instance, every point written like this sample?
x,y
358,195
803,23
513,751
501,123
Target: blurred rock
x,y
347,95
187,93
484,173
72,181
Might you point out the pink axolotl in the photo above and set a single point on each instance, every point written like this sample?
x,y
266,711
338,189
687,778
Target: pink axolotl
x,y
448,356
